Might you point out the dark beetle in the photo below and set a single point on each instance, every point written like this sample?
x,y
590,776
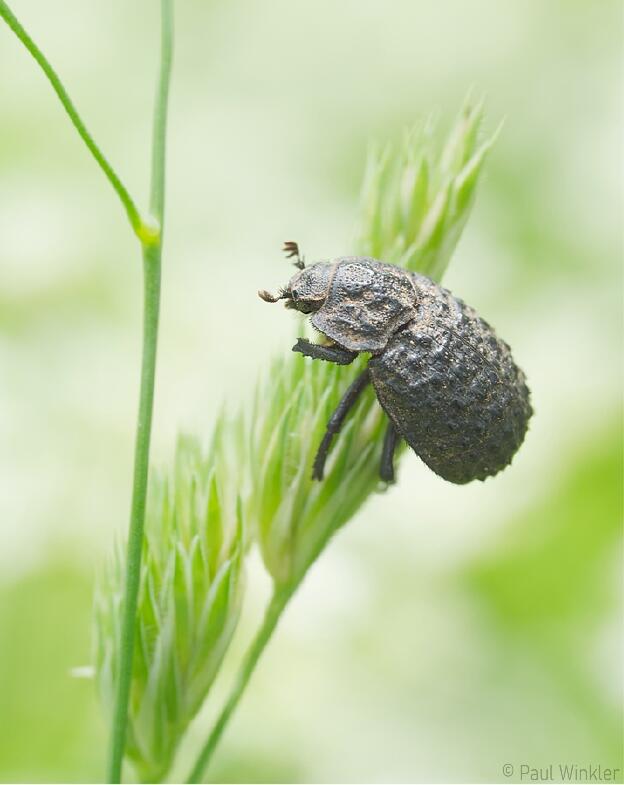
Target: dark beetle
x,y
449,386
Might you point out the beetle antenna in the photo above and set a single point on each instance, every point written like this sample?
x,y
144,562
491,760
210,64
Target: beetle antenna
x,y
272,298
291,248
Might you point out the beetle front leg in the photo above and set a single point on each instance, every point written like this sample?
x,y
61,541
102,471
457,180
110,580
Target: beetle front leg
x,y
331,354
391,439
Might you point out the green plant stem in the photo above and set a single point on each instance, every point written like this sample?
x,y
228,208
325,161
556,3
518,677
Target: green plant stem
x,y
151,237
152,254
159,133
143,231
273,613
151,303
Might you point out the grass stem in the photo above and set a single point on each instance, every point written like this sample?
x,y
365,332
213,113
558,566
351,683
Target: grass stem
x,y
273,613
151,308
143,231
152,256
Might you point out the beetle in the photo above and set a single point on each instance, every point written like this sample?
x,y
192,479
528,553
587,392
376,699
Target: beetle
x,y
448,385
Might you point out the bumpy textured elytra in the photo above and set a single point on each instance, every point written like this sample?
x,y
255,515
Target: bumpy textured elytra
x,y
448,384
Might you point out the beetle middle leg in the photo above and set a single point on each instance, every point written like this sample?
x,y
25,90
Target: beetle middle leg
x,y
332,354
391,439
336,420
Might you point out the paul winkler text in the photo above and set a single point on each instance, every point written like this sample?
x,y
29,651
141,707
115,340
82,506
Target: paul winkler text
x,y
569,773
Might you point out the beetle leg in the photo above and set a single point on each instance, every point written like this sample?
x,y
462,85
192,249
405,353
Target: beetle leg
x,y
336,420
391,439
332,354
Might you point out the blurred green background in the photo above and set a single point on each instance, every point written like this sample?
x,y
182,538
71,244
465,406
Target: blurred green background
x,y
447,630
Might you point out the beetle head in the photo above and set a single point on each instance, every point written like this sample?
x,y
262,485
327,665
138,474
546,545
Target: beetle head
x,y
306,291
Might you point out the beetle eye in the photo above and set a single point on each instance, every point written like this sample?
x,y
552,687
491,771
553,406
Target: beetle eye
x,y
295,294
